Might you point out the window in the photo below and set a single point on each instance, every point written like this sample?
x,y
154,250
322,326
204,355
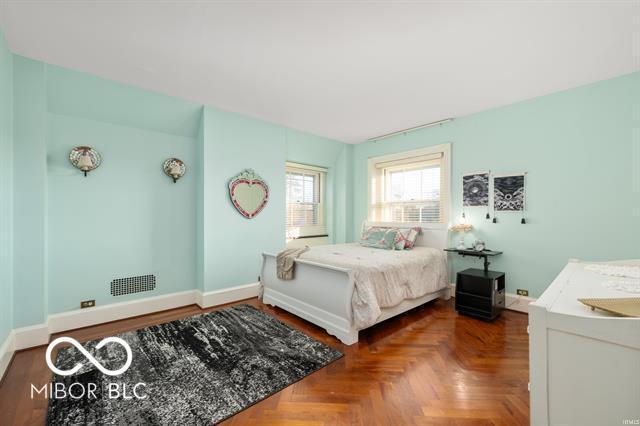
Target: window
x,y
305,192
410,187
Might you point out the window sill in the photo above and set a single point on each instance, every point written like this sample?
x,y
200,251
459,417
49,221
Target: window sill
x,y
310,236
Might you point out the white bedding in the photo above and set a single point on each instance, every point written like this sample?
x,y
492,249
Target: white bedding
x,y
384,278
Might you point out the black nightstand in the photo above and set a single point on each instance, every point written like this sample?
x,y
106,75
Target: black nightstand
x,y
479,293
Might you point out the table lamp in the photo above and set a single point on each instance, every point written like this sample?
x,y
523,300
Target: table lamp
x,y
461,228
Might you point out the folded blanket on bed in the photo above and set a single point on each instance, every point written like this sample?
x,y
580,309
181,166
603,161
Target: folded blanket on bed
x,y
285,262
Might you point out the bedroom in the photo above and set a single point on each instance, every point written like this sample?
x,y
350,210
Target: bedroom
x,y
215,136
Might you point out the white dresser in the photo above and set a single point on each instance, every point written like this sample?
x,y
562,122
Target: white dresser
x,y
584,364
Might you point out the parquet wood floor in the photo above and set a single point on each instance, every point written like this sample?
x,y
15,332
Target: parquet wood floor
x,y
429,366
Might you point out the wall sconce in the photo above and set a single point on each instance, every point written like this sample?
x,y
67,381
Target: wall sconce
x,y
174,168
85,158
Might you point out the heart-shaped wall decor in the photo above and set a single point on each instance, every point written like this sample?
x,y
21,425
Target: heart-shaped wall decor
x,y
249,193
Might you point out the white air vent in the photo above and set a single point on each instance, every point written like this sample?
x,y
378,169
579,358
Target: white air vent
x,y
121,286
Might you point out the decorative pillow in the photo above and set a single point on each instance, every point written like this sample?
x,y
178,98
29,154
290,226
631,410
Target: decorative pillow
x,y
407,238
376,237
367,231
401,240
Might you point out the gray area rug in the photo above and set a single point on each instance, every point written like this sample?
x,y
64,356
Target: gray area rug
x,y
197,370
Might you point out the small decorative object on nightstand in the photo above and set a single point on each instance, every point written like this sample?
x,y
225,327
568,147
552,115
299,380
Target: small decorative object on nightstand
x,y
480,292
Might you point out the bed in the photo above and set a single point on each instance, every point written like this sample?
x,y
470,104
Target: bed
x,y
341,287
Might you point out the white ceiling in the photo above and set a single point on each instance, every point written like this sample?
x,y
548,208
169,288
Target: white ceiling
x,y
344,70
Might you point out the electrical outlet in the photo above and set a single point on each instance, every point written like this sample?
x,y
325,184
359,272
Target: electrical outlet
x,y
87,304
522,292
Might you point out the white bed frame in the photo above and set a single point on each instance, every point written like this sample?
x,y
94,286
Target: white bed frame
x,y
322,293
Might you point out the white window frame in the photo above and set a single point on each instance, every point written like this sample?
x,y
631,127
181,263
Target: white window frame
x,y
313,230
376,186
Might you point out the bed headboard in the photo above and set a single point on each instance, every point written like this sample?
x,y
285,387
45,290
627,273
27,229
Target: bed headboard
x,y
435,236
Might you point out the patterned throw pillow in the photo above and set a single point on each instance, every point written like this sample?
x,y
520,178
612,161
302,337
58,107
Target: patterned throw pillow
x,y
401,240
377,237
407,238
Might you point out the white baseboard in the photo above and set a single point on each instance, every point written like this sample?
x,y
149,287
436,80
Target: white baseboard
x,y
6,352
227,295
518,303
36,335
91,316
512,301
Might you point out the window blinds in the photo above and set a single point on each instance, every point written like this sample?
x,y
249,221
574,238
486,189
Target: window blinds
x,y
304,200
410,189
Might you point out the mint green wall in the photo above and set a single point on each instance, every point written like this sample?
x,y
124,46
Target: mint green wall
x,y
125,219
232,245
6,190
73,235
30,190
200,223
344,195
581,150
83,95
335,156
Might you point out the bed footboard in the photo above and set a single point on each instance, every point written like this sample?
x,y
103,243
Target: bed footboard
x,y
318,293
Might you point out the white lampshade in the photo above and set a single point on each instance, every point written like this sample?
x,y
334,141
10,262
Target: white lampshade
x,y
85,158
175,170
85,162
